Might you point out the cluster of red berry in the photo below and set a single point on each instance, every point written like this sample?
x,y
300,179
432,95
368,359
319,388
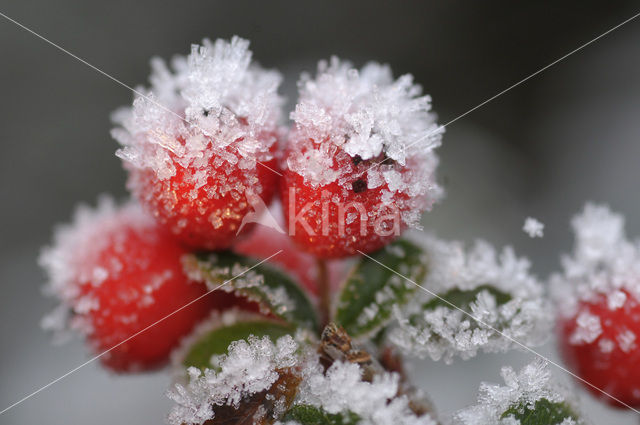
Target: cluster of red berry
x,y
202,150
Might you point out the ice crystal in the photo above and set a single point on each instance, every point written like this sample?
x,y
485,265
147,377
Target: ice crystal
x,y
243,279
497,290
341,389
521,391
249,368
533,228
216,104
72,259
603,262
366,115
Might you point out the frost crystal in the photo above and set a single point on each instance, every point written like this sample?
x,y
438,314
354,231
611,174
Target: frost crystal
x,y
603,263
243,280
251,367
522,390
248,368
69,261
345,114
341,389
533,228
215,105
498,290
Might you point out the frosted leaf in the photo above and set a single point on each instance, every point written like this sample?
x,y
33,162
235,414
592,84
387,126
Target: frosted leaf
x,y
249,368
603,262
213,104
346,114
273,290
341,390
496,288
533,228
68,261
525,389
252,367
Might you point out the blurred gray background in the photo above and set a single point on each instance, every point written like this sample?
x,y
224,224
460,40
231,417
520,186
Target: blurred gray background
x,y
568,135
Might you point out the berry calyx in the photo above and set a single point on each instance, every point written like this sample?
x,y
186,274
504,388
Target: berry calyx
x,y
117,273
360,166
200,147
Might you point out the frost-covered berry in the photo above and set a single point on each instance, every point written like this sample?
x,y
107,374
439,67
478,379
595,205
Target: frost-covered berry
x,y
117,273
597,298
360,163
199,148
601,345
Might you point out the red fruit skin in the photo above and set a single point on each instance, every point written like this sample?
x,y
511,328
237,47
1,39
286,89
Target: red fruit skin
x,y
616,372
210,219
148,285
329,233
264,242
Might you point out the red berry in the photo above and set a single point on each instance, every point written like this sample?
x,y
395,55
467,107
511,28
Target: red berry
x,y
119,273
200,147
209,216
338,220
600,344
360,165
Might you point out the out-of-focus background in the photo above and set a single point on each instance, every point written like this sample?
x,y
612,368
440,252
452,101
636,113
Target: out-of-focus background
x,y
568,135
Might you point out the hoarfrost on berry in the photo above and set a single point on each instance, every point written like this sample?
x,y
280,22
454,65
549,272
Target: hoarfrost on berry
x,y
72,260
347,117
603,262
215,103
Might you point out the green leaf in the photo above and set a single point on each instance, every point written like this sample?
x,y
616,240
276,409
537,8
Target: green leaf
x,y
216,341
310,415
463,298
365,303
544,412
276,292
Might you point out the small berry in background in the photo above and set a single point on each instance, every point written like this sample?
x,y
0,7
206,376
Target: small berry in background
x,y
116,273
360,163
202,143
598,310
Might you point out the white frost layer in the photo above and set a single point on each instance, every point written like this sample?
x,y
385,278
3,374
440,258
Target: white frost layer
x,y
244,279
445,332
533,228
341,390
603,262
525,387
367,114
249,368
72,260
214,104
379,114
